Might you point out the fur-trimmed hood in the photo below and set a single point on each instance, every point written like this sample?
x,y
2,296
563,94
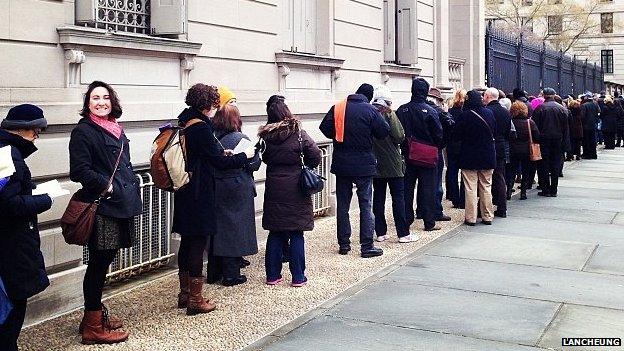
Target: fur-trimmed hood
x,y
278,132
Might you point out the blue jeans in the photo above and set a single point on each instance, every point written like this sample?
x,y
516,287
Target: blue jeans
x,y
273,257
344,193
397,193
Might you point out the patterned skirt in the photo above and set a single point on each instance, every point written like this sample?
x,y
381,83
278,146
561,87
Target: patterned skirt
x,y
111,233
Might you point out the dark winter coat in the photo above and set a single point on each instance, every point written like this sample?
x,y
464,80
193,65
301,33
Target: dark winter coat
x,y
590,113
420,121
576,124
354,157
552,120
92,155
446,121
235,190
478,151
520,145
21,262
503,134
285,207
390,163
194,204
610,115
454,147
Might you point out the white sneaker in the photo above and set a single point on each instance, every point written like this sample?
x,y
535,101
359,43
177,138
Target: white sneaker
x,y
382,238
409,238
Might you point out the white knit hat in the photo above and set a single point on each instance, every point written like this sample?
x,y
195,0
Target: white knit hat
x,y
382,92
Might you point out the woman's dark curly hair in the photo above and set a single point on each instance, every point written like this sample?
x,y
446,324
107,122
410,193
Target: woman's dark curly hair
x,y
202,97
116,110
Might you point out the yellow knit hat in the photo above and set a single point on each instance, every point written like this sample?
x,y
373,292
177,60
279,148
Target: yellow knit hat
x,y
225,95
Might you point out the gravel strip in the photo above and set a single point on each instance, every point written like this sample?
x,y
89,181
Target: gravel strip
x,y
245,313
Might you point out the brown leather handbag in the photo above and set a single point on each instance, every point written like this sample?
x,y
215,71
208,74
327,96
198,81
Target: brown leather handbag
x,y
77,221
535,152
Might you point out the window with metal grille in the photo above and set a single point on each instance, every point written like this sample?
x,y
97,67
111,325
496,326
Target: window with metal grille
x,y
607,60
606,22
555,24
118,15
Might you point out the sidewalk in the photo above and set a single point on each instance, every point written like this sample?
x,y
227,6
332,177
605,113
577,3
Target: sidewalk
x,y
553,269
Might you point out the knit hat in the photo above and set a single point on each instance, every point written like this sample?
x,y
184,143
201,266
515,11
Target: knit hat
x,y
225,95
382,94
24,116
366,90
549,92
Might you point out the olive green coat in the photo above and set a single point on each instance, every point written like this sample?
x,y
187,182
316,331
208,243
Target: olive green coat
x,y
390,163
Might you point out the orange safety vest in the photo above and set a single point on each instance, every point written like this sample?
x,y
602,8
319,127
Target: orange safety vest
x,y
340,110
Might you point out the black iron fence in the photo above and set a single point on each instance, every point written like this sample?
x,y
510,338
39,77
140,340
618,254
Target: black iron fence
x,y
513,62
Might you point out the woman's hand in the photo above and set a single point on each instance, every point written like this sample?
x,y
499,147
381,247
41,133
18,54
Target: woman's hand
x,y
228,152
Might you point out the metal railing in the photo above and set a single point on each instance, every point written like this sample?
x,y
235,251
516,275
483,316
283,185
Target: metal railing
x,y
321,200
151,247
121,15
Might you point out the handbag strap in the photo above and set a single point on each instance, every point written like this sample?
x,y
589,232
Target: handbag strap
x,y
301,149
486,124
110,181
530,135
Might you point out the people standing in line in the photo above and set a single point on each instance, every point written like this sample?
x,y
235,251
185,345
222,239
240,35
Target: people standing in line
x,y
590,114
390,171
94,146
620,121
503,134
576,129
566,145
22,269
287,211
475,130
235,190
226,97
521,95
519,146
454,191
353,162
610,115
421,123
194,204
552,121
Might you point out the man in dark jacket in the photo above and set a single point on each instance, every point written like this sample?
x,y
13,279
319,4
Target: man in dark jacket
x,y
503,134
552,121
353,162
590,114
420,122
521,95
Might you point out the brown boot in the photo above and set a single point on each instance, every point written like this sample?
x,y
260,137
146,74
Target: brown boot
x,y
196,302
114,323
96,330
183,295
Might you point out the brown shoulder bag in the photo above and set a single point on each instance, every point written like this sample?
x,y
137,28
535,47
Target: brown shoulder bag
x,y
77,221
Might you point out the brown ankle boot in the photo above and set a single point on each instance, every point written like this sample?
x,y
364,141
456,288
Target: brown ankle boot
x,y
183,295
97,331
196,302
114,323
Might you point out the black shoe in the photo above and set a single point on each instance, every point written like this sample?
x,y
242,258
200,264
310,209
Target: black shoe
x,y
213,278
443,218
234,281
523,195
560,175
344,250
244,263
431,229
469,223
500,214
578,158
552,195
542,193
486,222
509,192
372,252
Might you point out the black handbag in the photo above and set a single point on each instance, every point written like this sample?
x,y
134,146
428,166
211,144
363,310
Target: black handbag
x,y
309,181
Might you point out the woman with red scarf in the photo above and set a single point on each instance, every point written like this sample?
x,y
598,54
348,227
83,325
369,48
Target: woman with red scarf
x,y
95,145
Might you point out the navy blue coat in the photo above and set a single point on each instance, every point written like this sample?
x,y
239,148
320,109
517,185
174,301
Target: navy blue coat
x,y
355,157
502,134
194,204
477,141
21,262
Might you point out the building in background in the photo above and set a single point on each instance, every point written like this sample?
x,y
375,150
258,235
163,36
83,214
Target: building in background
x,y
314,52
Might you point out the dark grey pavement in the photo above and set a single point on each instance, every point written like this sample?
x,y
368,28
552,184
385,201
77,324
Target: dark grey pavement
x,y
553,269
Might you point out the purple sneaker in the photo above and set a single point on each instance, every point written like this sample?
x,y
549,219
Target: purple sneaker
x,y
299,284
275,282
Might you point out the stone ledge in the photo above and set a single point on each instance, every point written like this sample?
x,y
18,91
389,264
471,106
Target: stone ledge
x,y
307,60
390,68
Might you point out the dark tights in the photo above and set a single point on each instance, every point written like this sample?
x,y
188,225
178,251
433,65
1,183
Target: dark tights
x,y
94,278
191,255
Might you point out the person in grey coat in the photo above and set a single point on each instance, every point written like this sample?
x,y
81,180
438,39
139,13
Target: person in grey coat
x,y
235,190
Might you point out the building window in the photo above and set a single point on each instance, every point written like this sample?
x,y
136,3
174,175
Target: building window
x,y
300,24
555,24
606,22
607,60
400,32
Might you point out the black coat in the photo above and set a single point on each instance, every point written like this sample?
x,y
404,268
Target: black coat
x,y
610,115
520,145
503,134
478,151
235,190
194,203
446,121
92,155
21,262
354,157
454,147
552,120
285,207
590,113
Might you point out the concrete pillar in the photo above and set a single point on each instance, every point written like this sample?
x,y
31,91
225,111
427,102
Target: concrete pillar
x,y
441,45
467,19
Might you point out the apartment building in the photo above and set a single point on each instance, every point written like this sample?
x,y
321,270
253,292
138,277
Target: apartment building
x,y
314,52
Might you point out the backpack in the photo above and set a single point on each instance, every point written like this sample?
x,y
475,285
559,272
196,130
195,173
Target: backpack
x,y
168,158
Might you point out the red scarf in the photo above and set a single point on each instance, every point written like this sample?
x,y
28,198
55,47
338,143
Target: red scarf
x,y
110,124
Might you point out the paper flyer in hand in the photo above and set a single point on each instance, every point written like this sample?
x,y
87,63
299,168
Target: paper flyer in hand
x,y
243,145
52,188
7,168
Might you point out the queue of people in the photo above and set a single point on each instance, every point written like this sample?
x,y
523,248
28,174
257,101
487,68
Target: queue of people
x,y
486,137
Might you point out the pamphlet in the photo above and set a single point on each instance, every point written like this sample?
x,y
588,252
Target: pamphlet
x,y
7,168
243,145
52,188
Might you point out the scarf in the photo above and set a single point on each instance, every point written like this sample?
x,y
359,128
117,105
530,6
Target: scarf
x,y
110,125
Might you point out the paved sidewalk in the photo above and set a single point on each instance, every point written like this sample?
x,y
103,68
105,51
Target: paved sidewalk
x,y
553,269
